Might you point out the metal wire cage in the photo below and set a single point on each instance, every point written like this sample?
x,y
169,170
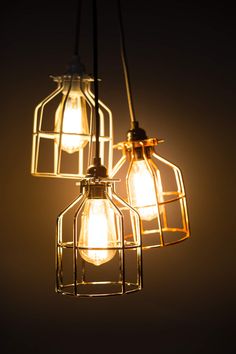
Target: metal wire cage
x,y
63,138
155,188
93,257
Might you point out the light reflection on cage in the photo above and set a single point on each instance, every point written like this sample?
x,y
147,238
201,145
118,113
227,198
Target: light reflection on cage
x,y
168,222
49,158
121,272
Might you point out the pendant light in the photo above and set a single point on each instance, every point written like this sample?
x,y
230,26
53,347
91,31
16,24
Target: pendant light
x,y
63,129
154,186
91,230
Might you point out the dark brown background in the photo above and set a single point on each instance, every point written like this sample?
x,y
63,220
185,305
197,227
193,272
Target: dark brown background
x,y
182,62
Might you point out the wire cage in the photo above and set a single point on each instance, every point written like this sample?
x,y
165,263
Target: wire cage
x,y
155,188
63,130
93,257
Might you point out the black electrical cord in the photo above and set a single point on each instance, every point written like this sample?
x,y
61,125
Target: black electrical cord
x,y
125,65
77,28
75,66
95,74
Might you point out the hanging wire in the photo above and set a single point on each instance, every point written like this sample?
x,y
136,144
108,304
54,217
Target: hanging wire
x,y
77,28
95,73
125,64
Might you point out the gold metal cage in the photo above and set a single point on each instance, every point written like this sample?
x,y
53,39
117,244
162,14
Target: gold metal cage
x,y
80,267
50,158
164,221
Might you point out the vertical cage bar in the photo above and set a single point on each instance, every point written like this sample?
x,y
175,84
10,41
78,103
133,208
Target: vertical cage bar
x,y
75,253
59,269
61,125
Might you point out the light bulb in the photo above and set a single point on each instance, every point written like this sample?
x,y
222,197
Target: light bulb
x,y
97,230
142,193
74,120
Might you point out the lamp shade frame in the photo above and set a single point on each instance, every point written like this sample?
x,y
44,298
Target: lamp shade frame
x,y
161,232
128,250
54,136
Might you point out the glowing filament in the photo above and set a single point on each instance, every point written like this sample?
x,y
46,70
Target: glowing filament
x,y
98,230
142,192
73,121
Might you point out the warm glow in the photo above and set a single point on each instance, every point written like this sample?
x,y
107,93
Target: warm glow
x,y
142,192
74,121
98,230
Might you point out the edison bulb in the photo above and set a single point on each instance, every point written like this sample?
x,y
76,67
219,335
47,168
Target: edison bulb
x,y
98,230
142,193
73,121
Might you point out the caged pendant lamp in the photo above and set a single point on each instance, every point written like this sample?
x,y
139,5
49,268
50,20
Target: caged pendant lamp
x,y
154,186
63,129
100,236
93,256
